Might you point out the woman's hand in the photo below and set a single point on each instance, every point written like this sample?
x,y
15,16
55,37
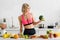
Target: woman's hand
x,y
41,18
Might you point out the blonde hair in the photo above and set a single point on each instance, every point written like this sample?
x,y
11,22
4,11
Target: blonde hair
x,y
24,7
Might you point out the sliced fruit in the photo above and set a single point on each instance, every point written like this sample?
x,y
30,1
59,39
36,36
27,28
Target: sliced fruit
x,y
55,35
26,36
44,36
34,36
21,36
50,35
16,36
49,31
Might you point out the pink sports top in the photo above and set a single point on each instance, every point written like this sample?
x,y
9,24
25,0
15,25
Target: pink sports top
x,y
26,22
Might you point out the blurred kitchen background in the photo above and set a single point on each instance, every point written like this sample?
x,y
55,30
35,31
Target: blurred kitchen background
x,y
11,9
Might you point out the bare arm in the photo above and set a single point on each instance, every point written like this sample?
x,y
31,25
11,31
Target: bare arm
x,y
20,24
35,23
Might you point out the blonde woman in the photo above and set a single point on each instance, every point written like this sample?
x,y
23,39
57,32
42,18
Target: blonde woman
x,y
27,20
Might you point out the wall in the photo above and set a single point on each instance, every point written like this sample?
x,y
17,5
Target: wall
x,y
50,9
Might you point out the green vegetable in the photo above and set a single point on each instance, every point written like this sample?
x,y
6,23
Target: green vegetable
x,y
41,18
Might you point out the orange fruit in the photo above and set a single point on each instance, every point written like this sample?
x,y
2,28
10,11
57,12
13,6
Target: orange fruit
x,y
58,34
16,36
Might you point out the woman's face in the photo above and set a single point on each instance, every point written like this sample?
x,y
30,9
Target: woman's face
x,y
27,9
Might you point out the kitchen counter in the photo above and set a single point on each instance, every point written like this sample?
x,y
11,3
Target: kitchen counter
x,y
38,32
29,39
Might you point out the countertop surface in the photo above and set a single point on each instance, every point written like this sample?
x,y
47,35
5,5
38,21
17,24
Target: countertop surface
x,y
38,32
29,39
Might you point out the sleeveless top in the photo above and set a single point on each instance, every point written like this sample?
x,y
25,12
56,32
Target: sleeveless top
x,y
26,22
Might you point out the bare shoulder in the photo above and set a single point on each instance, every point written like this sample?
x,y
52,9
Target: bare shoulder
x,y
19,17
